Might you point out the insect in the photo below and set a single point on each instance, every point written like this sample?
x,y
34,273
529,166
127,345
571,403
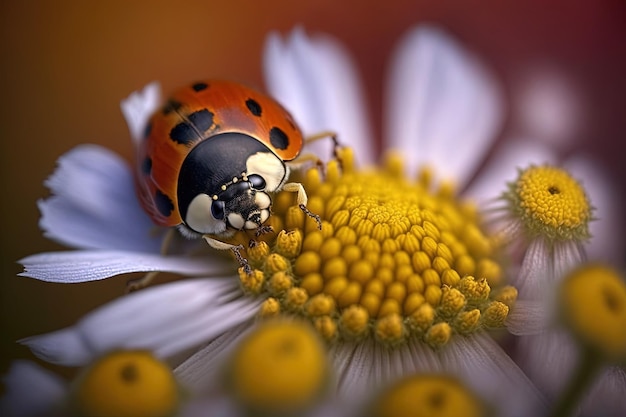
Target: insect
x,y
212,157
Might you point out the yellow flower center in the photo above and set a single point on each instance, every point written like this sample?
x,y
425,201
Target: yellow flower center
x,y
394,260
428,395
593,301
279,369
550,203
126,383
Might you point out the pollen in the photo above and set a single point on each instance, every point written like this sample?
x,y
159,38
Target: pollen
x,y
428,395
550,203
125,383
280,368
593,306
396,259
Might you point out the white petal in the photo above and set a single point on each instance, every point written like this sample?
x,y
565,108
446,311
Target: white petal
x,y
201,372
528,317
544,266
94,204
363,368
503,166
138,107
315,79
605,245
606,397
90,265
443,108
166,319
486,368
537,271
30,390
549,360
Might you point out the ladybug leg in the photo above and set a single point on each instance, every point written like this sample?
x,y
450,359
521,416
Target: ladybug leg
x,y
327,134
137,284
261,230
302,199
219,245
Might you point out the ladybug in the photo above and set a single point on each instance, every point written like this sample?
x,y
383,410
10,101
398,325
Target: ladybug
x,y
212,157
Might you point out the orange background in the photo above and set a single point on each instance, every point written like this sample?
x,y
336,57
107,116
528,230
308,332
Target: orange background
x,y
66,64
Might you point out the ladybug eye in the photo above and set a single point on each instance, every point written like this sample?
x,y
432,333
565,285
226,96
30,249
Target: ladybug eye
x,y
257,182
217,210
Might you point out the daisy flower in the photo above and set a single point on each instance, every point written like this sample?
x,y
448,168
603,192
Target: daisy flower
x,y
547,215
403,277
120,383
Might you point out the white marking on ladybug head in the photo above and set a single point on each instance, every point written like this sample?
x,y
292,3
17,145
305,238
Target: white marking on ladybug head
x,y
270,167
265,214
237,221
262,200
200,218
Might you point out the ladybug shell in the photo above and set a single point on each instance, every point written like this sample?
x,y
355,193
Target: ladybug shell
x,y
194,114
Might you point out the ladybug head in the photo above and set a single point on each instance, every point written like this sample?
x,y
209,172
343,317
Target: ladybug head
x,y
244,204
240,205
224,182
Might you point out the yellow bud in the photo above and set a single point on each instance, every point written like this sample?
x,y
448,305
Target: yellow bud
x,y
422,318
452,302
276,263
506,295
269,308
354,321
389,329
289,244
438,335
326,327
467,321
320,305
495,314
252,283
257,253
279,283
295,298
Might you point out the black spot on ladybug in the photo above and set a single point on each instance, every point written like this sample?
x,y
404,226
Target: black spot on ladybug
x,y
202,120
163,203
146,166
278,138
192,129
183,133
147,130
171,106
254,107
199,86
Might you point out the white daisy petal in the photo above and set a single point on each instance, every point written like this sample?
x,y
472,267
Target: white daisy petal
x,y
606,397
315,79
486,368
605,245
91,265
94,204
30,390
503,167
166,319
527,317
443,107
549,359
138,107
201,369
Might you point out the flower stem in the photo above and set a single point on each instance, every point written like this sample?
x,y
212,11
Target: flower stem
x,y
588,367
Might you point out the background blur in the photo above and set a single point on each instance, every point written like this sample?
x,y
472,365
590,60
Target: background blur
x,y
66,64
